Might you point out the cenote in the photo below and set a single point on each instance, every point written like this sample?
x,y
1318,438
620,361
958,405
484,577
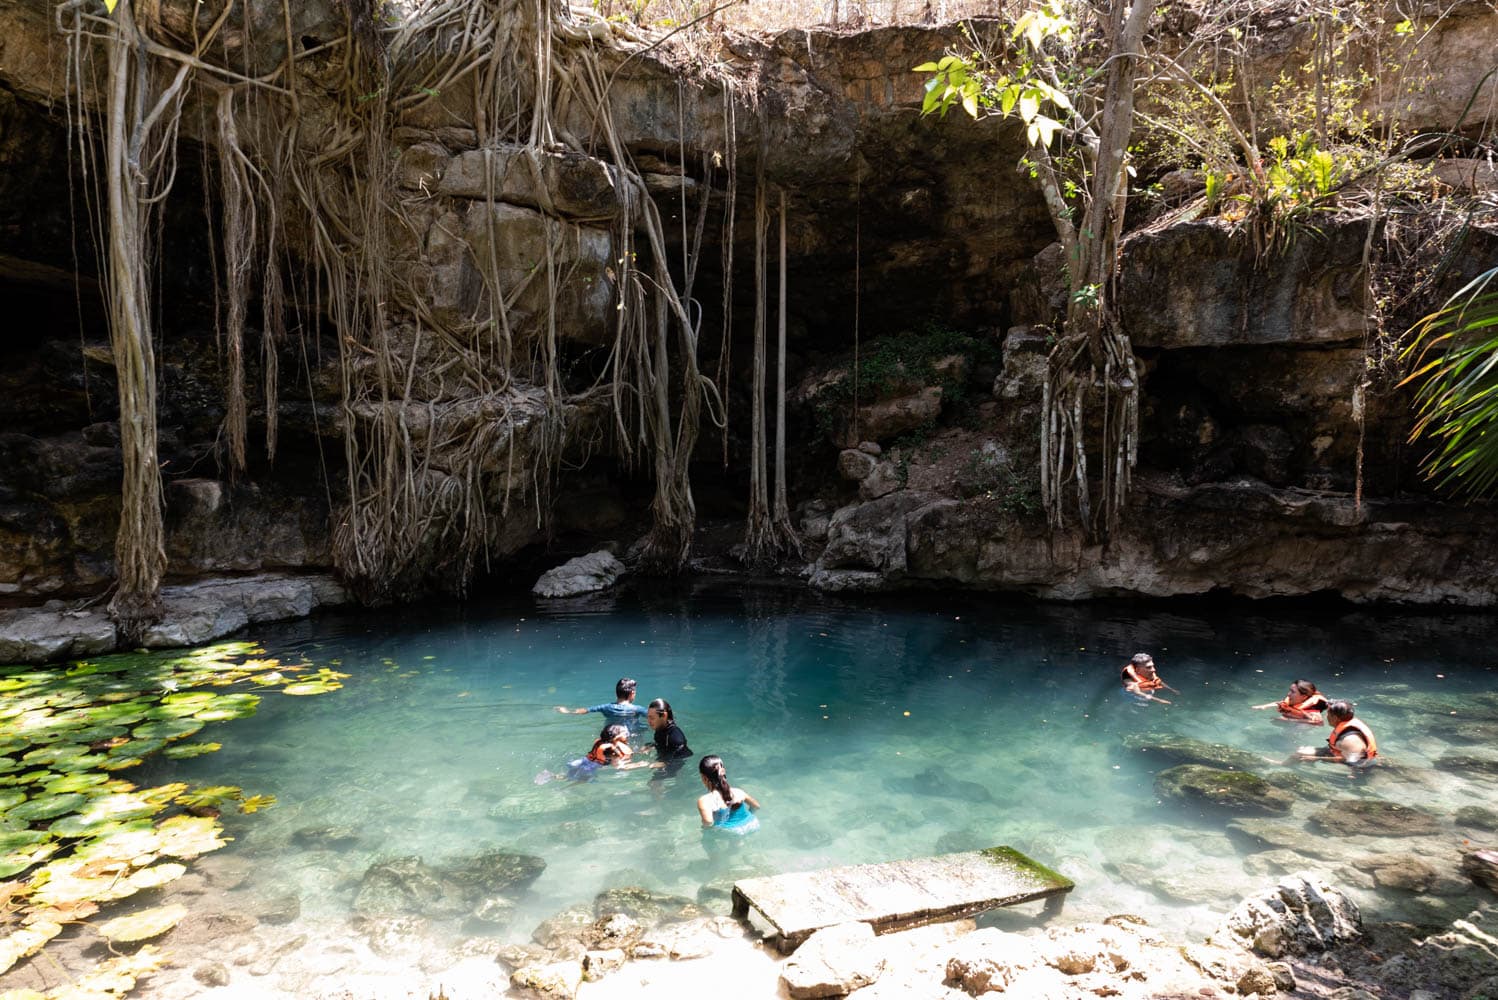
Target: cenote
x,y
868,730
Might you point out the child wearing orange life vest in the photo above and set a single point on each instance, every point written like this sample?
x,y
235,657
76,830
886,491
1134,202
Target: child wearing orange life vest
x,y
1140,679
1303,704
611,749
1351,741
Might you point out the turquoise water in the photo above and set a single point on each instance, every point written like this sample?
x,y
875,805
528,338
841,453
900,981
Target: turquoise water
x,y
867,732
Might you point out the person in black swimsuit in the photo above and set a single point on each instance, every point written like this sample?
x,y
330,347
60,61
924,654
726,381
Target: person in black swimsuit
x,y
671,749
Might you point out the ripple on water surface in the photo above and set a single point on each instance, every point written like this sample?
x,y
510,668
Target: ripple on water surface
x,y
868,732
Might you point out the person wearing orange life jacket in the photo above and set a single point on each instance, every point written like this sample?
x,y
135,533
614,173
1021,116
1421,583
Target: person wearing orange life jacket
x,y
1303,704
1351,741
1139,678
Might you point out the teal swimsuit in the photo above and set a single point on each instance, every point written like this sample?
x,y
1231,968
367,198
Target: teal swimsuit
x,y
739,819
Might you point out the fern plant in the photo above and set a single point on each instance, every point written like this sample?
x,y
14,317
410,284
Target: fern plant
x,y
1456,352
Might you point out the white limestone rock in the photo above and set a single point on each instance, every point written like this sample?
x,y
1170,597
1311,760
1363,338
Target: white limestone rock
x,y
833,962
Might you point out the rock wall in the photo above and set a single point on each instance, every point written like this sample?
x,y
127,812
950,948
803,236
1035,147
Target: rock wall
x,y
1251,443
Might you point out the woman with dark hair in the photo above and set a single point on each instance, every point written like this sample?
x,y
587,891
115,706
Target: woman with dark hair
x,y
671,748
1303,704
724,807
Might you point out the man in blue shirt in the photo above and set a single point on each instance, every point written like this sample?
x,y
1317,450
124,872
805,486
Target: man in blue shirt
x,y
623,710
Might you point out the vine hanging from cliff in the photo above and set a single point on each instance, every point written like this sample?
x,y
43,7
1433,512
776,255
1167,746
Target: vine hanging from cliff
x,y
444,420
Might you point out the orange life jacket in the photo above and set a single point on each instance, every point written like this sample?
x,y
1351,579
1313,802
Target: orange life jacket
x,y
1357,726
1129,675
603,753
1299,711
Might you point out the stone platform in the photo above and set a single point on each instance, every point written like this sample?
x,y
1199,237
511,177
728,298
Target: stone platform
x,y
895,895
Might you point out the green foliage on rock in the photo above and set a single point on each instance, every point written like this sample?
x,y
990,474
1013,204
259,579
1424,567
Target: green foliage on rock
x,y
898,365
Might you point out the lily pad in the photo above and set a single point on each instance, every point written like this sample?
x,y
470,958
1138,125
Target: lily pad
x,y
25,942
167,729
182,751
144,925
9,765
10,797
120,763
15,840
17,862
187,837
229,706
137,748
47,806
311,687
82,781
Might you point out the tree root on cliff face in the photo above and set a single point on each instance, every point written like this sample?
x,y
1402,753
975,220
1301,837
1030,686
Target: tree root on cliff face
x,y
305,163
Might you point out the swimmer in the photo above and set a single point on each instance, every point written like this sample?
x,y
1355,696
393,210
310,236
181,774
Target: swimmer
x,y
623,709
1140,679
1351,741
1303,704
611,749
724,807
670,742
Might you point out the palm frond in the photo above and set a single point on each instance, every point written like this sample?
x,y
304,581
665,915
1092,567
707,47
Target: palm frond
x,y
1455,351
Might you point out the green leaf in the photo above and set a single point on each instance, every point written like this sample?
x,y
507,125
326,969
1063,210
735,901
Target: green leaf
x,y
1007,98
182,751
1042,129
47,806
110,5
1029,106
926,67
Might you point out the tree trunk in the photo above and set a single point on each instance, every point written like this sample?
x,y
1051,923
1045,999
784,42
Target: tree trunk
x,y
140,557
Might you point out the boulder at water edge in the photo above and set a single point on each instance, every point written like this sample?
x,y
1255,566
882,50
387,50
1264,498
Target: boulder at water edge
x,y
558,981
1233,791
833,962
583,575
1299,916
1482,868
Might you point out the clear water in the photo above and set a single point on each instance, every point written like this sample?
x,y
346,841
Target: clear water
x,y
867,731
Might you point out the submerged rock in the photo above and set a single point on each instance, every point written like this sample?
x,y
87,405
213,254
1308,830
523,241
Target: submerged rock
x,y
1398,871
1301,915
1185,750
647,907
833,962
934,781
325,838
1477,817
1374,818
495,871
1481,767
1234,791
584,575
402,885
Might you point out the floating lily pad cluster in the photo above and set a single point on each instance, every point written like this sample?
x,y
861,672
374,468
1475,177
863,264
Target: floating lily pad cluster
x,y
75,835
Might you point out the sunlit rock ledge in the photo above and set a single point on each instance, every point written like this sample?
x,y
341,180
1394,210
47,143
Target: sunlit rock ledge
x,y
193,613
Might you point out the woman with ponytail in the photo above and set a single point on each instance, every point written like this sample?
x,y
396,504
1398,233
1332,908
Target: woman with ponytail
x,y
724,807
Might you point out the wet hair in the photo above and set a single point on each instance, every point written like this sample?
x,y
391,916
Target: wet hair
x,y
624,688
711,768
1304,687
1341,709
1142,660
662,706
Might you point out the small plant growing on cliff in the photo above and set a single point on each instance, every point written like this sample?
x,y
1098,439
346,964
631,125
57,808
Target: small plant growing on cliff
x,y
1456,351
